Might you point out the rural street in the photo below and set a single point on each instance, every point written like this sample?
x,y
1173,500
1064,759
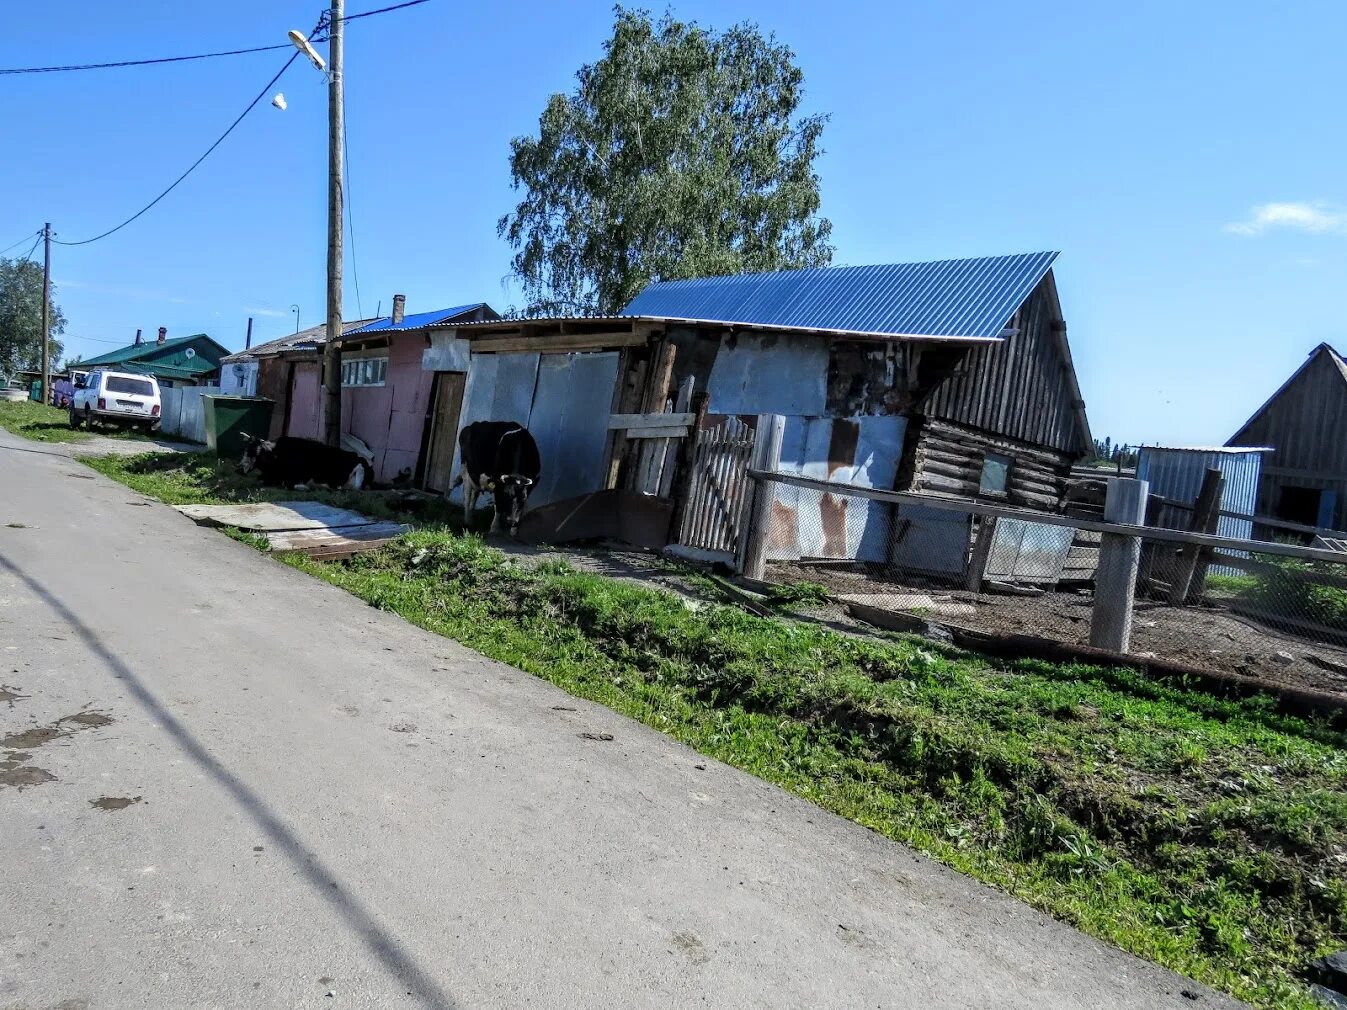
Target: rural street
x,y
330,807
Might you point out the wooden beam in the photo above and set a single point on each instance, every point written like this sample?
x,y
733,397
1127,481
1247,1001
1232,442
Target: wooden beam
x,y
616,421
679,431
559,343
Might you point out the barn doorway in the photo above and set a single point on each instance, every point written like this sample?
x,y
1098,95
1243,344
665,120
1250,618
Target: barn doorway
x,y
446,401
1299,505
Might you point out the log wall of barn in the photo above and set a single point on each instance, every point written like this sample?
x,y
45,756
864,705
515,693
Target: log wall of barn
x,y
941,457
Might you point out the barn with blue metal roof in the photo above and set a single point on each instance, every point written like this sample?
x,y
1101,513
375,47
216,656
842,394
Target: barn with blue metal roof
x,y
951,377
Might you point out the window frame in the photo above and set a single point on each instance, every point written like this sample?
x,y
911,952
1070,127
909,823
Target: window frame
x,y
1007,462
366,371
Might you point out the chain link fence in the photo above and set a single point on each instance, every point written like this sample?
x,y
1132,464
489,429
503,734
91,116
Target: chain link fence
x,y
1278,615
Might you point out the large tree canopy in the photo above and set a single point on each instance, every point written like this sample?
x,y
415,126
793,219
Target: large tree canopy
x,y
21,316
679,154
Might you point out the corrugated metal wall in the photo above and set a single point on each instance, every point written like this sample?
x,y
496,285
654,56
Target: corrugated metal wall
x,y
1177,473
1018,388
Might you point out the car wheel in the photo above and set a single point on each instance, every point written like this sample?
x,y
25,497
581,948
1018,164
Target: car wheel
x,y
88,419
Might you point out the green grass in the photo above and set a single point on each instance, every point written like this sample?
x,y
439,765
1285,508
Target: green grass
x,y
204,479
1206,834
43,423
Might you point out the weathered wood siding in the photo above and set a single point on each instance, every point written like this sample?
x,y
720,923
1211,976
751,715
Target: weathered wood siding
x,y
1022,388
1305,424
942,457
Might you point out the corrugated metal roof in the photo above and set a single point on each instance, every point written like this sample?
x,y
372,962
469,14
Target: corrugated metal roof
x,y
416,320
301,340
948,298
146,348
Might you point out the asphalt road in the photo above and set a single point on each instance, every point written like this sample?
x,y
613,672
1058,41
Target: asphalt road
x,y
225,784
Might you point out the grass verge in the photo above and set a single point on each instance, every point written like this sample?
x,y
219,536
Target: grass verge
x,y
1206,834
43,423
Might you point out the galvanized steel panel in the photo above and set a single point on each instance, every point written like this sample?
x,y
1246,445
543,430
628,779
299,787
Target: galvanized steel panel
x,y
1177,473
779,375
569,421
949,298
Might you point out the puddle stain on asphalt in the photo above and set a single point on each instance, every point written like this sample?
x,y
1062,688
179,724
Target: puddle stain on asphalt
x,y
64,726
11,694
114,802
14,768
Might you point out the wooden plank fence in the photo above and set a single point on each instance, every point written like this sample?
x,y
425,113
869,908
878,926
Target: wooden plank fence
x,y
718,487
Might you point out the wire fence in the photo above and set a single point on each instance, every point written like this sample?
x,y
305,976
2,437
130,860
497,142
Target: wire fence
x,y
1273,612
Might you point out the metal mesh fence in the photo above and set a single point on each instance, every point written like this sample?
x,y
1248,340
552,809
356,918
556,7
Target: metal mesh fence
x,y
914,567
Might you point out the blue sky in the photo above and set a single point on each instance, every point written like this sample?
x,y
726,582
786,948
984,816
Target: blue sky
x,y
1187,159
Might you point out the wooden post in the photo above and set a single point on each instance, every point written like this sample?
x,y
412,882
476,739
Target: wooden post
x,y
982,551
752,553
1206,514
336,125
1115,579
687,453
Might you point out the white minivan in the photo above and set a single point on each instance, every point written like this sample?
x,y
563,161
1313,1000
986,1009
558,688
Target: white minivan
x,y
119,398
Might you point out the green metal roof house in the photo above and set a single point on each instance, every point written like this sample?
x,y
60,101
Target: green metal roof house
x,y
182,361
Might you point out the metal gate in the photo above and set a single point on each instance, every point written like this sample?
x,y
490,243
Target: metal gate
x,y
719,487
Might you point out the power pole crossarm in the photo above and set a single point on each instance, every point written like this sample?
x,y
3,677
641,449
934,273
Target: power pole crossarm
x,y
336,126
46,312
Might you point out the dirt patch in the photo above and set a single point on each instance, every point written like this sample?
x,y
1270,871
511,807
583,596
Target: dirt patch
x,y
113,802
38,735
1206,637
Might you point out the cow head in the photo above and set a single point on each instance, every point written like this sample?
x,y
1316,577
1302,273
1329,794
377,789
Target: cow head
x,y
254,451
511,491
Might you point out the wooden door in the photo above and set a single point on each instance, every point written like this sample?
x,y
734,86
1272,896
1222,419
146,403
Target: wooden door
x,y
446,401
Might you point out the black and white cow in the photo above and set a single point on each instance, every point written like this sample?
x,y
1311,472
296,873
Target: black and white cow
x,y
500,457
289,461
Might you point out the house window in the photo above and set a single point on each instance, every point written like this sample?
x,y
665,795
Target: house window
x,y
364,372
995,474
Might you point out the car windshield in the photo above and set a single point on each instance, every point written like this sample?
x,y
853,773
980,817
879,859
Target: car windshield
x,y
124,384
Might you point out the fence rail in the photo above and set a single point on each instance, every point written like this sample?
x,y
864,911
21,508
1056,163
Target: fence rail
x,y
1270,613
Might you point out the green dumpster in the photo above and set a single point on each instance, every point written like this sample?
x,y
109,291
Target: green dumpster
x,y
35,391
229,418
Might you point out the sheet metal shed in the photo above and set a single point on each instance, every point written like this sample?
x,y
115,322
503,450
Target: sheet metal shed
x,y
1176,472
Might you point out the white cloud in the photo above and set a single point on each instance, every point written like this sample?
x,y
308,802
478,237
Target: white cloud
x,y
1315,217
276,313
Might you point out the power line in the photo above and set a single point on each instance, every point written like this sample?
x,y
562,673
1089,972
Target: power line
x,y
350,214
220,140
197,56
139,63
14,244
32,249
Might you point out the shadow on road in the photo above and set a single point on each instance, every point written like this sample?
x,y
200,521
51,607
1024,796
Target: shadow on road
x,y
361,920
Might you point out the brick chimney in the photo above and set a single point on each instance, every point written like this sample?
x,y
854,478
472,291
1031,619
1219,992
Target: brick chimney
x,y
163,334
137,344
399,308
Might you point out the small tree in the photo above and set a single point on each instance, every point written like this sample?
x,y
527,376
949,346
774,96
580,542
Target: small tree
x,y
679,154
21,316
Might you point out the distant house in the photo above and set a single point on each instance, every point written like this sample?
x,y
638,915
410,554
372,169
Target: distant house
x,y
1304,423
239,371
181,361
391,400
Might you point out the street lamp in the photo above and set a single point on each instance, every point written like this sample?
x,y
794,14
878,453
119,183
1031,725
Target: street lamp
x,y
335,142
295,310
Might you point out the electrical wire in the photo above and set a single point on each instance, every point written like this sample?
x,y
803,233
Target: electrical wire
x,y
197,56
172,186
14,244
139,63
350,213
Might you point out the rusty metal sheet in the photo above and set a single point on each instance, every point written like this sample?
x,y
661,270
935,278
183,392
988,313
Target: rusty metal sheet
x,y
275,515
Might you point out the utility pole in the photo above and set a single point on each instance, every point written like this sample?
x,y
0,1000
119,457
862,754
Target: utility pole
x,y
46,312
335,132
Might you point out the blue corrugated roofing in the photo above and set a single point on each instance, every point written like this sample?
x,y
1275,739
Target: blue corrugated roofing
x,y
948,298
415,321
